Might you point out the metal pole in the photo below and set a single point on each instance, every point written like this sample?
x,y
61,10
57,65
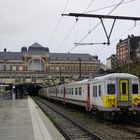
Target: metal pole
x,y
128,54
79,68
1,88
60,74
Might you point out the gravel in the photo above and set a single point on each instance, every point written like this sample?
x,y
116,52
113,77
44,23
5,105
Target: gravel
x,y
104,129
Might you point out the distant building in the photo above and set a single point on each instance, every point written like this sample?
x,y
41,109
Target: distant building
x,y
111,62
128,50
103,66
138,51
37,64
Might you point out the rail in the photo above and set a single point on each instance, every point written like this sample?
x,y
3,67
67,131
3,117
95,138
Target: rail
x,y
70,129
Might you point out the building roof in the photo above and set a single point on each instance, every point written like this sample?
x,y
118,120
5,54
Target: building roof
x,y
53,56
72,57
10,56
37,49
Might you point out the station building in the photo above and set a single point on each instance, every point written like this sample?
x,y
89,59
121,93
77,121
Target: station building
x,y
37,64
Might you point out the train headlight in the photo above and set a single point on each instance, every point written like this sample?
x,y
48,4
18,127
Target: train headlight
x,y
109,99
113,102
136,101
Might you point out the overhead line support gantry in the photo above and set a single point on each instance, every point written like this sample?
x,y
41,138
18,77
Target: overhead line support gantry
x,y
101,17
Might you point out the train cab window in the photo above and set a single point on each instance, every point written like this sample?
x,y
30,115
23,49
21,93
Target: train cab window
x,y
100,91
111,89
135,89
80,91
94,91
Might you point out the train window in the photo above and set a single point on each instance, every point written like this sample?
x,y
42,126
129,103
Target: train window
x,y
111,88
76,91
72,91
61,91
94,91
100,91
135,89
69,91
123,88
80,90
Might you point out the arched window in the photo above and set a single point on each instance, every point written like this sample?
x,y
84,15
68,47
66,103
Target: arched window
x,y
36,65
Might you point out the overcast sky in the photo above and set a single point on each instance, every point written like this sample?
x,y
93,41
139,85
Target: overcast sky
x,y
23,22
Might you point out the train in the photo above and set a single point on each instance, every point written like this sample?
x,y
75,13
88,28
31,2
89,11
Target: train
x,y
111,94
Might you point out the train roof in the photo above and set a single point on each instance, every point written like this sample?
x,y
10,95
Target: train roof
x,y
115,75
79,82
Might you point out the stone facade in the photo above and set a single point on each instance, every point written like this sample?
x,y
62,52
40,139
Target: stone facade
x,y
127,50
111,62
37,64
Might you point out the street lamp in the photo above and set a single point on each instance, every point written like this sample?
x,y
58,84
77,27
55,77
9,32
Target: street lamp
x,y
79,68
1,88
129,62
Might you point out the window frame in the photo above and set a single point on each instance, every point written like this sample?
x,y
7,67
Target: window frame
x,y
100,90
137,88
111,84
95,89
80,90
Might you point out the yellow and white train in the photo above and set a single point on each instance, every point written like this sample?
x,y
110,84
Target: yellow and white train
x,y
110,94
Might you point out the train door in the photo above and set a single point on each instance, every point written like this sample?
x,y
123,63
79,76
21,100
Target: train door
x,y
57,91
88,97
64,95
124,91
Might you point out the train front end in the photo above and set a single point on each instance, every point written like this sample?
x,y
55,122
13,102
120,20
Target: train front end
x,y
122,95
128,94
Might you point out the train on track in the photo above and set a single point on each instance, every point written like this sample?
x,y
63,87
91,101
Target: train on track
x,y
110,94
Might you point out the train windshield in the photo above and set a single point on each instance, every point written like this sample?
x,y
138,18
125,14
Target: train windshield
x,y
135,89
111,89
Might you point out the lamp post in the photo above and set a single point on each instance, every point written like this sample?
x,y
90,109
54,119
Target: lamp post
x,y
79,68
60,78
1,88
129,61
128,68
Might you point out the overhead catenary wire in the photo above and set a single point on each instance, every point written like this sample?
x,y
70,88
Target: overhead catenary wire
x,y
99,24
88,6
116,6
118,37
72,27
124,32
58,23
109,6
66,36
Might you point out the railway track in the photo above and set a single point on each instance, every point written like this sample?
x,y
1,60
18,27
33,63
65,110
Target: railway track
x,y
70,129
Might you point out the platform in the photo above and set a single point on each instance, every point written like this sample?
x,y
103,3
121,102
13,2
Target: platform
x,y
24,120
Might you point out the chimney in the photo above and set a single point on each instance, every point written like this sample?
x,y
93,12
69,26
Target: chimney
x,y
128,36
120,41
5,50
132,36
